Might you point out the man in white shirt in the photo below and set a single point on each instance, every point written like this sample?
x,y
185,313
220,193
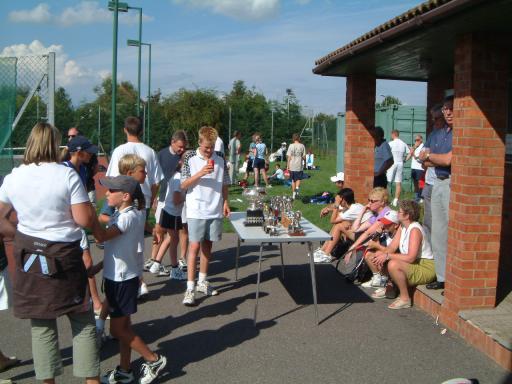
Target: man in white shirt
x,y
133,145
395,173
234,148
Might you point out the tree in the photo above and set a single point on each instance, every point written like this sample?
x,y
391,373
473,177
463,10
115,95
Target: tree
x,y
387,101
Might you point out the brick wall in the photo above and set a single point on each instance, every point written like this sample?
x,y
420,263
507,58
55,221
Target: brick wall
x,y
359,144
477,187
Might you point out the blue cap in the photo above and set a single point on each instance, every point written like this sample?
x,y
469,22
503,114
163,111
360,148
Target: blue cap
x,y
81,143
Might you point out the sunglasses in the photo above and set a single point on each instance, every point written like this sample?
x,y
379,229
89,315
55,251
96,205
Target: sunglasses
x,y
71,136
114,190
373,201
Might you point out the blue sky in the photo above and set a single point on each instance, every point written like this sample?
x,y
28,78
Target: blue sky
x,y
270,44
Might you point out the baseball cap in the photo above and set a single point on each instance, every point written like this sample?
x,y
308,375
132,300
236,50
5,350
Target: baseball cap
x,y
80,143
123,183
390,217
340,176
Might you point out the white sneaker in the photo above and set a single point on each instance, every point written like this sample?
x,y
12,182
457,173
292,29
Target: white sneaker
x,y
395,202
143,290
379,281
367,284
149,371
189,298
116,376
322,258
147,264
205,287
182,263
177,274
158,269
268,186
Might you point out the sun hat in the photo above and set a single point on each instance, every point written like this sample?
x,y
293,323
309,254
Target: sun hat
x,y
390,217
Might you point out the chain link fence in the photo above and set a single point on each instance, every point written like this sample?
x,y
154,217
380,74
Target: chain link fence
x,y
27,88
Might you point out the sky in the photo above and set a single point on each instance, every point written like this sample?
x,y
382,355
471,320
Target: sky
x,y
270,44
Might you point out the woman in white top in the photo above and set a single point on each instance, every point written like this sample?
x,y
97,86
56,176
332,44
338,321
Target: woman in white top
x,y
409,256
51,279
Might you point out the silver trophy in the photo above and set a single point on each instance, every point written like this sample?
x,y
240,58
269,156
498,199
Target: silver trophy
x,y
255,197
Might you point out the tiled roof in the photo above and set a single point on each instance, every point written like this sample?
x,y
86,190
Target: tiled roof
x,y
404,17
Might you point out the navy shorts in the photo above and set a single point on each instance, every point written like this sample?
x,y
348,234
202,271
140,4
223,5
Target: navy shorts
x,y
416,174
122,296
249,166
168,221
296,175
259,163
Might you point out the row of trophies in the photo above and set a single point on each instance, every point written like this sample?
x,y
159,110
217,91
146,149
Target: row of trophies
x,y
272,215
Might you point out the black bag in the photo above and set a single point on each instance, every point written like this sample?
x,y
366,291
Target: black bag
x,y
341,248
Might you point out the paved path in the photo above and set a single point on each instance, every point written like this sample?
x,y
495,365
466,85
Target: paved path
x,y
358,341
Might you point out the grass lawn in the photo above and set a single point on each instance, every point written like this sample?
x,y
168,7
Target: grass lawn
x,y
319,182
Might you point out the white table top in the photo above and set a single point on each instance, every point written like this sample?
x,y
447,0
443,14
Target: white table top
x,y
257,235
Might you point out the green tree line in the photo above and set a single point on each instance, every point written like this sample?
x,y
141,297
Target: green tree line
x,y
184,109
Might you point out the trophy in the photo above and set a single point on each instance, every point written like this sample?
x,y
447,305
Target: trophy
x,y
254,196
294,228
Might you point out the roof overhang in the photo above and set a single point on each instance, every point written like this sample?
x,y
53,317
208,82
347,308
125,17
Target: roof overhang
x,y
418,44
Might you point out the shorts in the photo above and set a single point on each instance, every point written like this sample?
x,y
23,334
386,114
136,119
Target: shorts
x,y
158,212
259,163
168,221
394,173
5,290
122,296
422,271
204,229
250,168
296,175
380,181
84,241
417,174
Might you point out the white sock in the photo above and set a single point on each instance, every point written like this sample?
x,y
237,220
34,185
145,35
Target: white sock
x,y
202,277
191,285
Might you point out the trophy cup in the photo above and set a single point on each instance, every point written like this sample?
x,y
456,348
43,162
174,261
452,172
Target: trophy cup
x,y
254,196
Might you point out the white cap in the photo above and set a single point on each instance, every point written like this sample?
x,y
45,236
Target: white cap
x,y
283,143
340,176
390,217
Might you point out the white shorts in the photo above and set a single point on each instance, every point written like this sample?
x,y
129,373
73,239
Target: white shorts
x,y
84,242
395,173
5,290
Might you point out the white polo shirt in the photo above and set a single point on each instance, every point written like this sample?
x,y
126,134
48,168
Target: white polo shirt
x,y
122,259
204,200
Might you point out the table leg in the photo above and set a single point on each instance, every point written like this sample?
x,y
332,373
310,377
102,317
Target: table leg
x,y
236,258
258,284
282,258
313,277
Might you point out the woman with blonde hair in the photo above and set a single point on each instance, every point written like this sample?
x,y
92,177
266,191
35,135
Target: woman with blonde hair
x,y
50,275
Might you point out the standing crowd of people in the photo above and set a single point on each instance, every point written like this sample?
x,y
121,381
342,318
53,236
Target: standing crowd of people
x,y
55,274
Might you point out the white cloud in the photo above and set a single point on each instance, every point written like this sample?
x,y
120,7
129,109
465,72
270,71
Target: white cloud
x,y
39,14
67,72
84,13
237,9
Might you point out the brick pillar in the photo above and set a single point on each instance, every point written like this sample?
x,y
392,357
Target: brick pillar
x,y
478,164
435,93
359,144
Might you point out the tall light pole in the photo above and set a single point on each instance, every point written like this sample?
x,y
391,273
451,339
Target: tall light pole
x,y
272,133
116,7
138,43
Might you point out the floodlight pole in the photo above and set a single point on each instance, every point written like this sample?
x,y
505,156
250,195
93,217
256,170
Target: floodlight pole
x,y
114,76
139,58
